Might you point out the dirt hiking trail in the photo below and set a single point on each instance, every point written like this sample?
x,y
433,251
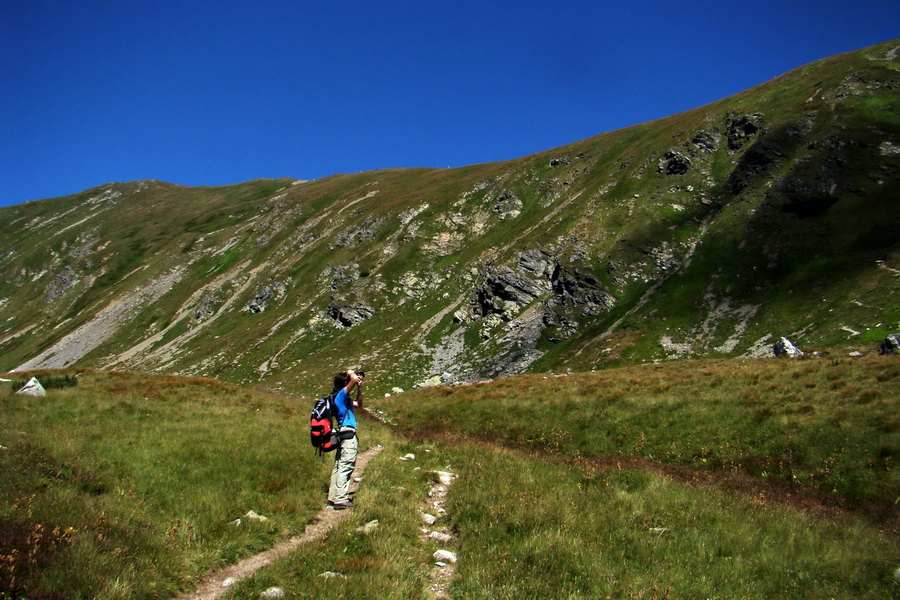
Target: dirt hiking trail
x,y
219,582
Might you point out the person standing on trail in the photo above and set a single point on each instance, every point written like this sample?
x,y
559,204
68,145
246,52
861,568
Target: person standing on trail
x,y
345,457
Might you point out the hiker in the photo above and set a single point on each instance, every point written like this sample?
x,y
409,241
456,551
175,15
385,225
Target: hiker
x,y
345,456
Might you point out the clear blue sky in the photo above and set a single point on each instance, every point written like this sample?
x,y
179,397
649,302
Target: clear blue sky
x,y
218,92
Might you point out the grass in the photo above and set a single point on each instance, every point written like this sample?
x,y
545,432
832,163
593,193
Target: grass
x,y
827,423
128,486
630,534
143,478
392,561
533,527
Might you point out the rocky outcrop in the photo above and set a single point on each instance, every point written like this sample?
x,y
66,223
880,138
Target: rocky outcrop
x,y
355,235
705,141
741,129
565,294
61,283
674,163
508,205
505,291
348,316
582,289
207,307
269,292
342,275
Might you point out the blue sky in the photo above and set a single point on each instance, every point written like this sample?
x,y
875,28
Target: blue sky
x,y
213,93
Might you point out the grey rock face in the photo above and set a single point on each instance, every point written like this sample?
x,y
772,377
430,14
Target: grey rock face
x,y
508,205
348,316
742,129
63,281
505,290
566,293
357,235
583,289
674,163
269,291
206,307
705,141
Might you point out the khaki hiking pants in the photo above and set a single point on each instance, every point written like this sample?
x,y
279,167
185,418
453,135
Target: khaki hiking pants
x,y
344,463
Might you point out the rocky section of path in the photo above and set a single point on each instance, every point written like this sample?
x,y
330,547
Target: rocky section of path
x,y
441,575
216,584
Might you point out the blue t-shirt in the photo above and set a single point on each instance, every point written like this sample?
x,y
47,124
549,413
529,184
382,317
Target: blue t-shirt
x,y
344,405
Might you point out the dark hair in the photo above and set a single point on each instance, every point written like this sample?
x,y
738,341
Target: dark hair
x,y
341,380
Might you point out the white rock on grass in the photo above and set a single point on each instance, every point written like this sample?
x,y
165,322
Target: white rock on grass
x,y
255,517
445,477
430,519
330,574
444,556
439,536
33,388
273,592
368,527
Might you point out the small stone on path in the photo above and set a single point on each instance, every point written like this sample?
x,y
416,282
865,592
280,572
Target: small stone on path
x,y
444,555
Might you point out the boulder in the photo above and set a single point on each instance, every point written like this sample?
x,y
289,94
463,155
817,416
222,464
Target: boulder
x,y
891,344
33,388
439,536
445,477
784,347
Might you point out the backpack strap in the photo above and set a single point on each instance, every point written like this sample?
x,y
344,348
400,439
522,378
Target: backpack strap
x,y
334,410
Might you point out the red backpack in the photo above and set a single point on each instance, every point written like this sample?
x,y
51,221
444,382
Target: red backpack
x,y
322,433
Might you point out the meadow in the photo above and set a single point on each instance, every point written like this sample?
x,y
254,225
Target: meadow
x,y
708,479
129,486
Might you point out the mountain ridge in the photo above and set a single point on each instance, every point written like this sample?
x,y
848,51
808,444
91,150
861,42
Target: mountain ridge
x,y
707,233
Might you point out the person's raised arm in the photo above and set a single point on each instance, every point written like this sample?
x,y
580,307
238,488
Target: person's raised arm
x,y
354,381
359,393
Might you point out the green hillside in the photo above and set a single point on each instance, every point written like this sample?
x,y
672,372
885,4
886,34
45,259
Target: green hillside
x,y
711,233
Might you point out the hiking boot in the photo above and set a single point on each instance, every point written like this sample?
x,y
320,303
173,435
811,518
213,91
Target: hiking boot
x,y
342,505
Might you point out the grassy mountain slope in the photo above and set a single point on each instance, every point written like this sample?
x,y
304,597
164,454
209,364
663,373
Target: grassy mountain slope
x,y
709,233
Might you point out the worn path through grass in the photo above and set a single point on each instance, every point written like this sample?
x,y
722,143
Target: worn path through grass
x,y
216,584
